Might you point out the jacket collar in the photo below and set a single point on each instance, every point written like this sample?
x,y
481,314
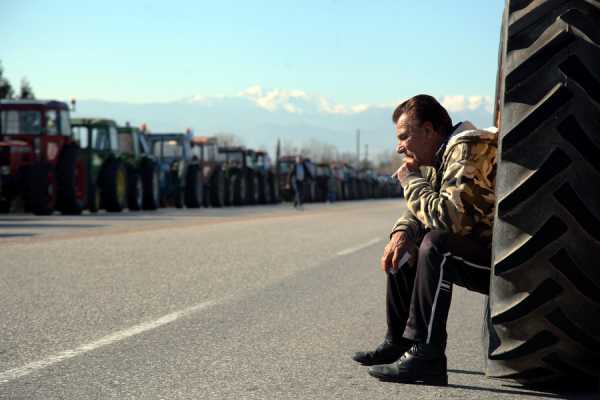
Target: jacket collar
x,y
456,129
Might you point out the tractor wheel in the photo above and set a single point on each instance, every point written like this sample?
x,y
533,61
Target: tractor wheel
x,y
4,206
41,189
194,187
274,188
239,189
71,181
150,185
135,189
545,285
217,189
265,190
253,184
178,194
114,186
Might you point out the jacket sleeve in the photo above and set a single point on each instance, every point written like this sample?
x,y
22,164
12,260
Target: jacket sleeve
x,y
466,195
408,222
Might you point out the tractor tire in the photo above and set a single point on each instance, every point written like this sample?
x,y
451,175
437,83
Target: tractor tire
x,y
71,178
178,194
114,186
239,189
228,191
135,189
41,189
194,187
217,189
150,185
545,284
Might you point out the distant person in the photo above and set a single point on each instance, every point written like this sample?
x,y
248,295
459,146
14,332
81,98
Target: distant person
x,y
296,179
444,237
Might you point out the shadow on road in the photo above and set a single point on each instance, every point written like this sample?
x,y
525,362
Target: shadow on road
x,y
52,226
507,391
461,371
12,235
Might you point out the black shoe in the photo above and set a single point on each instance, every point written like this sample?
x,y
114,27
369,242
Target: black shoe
x,y
421,364
385,353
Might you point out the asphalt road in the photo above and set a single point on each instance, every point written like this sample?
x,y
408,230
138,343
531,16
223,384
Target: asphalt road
x,y
242,303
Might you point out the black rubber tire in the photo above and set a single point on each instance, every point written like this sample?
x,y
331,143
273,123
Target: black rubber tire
x,y
239,188
114,186
135,189
71,173
194,186
217,189
150,184
41,183
545,286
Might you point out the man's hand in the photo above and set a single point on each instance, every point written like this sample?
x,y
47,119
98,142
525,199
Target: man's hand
x,y
393,251
411,163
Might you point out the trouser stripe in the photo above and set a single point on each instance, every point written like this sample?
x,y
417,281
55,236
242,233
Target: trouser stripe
x,y
435,299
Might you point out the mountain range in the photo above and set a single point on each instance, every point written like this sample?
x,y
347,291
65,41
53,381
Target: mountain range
x,y
260,117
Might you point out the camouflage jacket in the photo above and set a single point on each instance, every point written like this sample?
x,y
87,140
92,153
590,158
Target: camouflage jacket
x,y
458,195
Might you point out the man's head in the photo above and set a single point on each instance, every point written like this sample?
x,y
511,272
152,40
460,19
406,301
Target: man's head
x,y
422,125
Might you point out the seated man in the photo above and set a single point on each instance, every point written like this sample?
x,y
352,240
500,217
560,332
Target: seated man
x,y
448,177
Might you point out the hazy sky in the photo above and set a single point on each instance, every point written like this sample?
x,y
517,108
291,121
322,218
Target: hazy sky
x,y
354,52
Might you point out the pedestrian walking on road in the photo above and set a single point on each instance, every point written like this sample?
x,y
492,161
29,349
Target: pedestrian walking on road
x,y
296,179
444,238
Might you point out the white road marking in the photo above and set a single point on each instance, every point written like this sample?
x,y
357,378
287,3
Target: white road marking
x,y
16,373
351,250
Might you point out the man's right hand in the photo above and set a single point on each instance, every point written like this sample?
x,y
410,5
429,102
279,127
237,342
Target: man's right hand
x,y
393,251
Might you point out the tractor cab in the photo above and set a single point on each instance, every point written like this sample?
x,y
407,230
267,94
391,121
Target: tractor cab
x,y
182,180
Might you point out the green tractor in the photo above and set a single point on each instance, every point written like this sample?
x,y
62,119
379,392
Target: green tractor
x,y
243,176
107,168
143,172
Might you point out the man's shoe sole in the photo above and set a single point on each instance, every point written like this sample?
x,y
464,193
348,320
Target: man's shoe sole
x,y
433,380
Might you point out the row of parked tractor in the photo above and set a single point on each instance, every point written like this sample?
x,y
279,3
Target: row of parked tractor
x,y
52,162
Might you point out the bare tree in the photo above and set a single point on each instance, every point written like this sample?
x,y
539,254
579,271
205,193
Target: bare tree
x,y
26,90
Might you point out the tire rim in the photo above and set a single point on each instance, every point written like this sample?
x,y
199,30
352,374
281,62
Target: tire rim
x,y
155,188
121,183
51,190
221,189
256,188
80,186
199,187
139,191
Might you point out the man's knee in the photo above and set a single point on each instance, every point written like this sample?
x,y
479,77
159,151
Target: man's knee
x,y
434,242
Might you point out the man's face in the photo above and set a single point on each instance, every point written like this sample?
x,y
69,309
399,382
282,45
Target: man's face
x,y
415,140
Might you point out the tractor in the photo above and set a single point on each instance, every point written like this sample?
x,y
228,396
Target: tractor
x,y
143,172
243,177
182,178
107,169
40,163
216,184
269,187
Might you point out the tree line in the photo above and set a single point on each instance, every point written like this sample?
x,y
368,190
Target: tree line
x,y
7,91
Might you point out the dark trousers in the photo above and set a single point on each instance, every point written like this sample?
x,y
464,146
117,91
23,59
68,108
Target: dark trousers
x,y
298,192
418,297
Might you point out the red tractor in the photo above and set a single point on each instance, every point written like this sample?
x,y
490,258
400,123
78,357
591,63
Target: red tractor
x,y
40,163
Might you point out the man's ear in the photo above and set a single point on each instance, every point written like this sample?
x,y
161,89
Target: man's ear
x,y
428,129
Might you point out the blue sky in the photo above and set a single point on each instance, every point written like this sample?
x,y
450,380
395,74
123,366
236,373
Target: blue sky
x,y
354,52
